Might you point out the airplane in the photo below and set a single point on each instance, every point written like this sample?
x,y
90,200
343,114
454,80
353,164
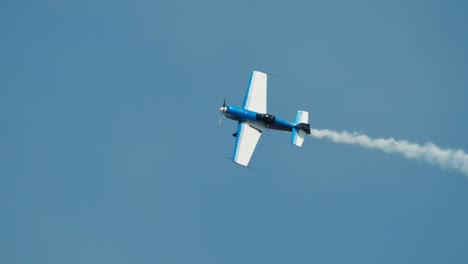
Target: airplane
x,y
252,119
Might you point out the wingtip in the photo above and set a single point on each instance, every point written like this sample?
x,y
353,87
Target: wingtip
x,y
240,164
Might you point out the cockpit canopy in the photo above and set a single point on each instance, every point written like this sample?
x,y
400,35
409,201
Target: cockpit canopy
x,y
266,118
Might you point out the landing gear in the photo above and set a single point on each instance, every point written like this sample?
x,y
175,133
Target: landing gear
x,y
234,135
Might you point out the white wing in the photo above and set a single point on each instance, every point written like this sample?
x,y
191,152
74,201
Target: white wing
x,y
247,138
256,96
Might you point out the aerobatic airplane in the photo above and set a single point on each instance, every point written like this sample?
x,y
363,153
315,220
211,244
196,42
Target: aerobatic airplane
x,y
253,119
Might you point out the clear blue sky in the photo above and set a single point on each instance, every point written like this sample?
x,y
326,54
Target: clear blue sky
x,y
109,150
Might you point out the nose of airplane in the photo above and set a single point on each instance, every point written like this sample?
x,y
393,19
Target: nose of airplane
x,y
222,109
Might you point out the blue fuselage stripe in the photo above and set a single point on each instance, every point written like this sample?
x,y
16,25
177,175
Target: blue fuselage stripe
x,y
242,114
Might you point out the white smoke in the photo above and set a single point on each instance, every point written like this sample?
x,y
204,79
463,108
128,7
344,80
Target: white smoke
x,y
445,158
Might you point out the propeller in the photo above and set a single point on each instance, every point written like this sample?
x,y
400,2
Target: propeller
x,y
223,110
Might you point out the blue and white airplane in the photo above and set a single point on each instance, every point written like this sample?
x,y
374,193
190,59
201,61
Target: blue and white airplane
x,y
253,119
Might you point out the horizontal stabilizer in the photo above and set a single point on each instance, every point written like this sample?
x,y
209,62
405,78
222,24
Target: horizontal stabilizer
x,y
301,128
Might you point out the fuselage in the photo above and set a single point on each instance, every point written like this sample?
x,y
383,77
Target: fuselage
x,y
261,119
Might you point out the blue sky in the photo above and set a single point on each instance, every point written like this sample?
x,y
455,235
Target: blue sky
x,y
110,151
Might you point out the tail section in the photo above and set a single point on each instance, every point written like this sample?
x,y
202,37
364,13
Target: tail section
x,y
301,128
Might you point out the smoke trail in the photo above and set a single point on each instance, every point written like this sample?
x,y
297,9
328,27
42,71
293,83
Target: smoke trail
x,y
445,158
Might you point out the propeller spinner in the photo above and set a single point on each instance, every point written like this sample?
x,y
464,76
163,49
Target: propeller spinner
x,y
223,110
